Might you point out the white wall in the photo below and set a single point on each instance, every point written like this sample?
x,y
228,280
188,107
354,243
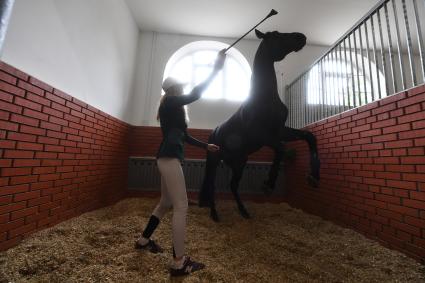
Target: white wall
x,y
92,49
86,48
155,49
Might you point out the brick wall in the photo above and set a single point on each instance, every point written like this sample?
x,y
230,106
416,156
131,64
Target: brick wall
x,y
59,157
373,171
145,141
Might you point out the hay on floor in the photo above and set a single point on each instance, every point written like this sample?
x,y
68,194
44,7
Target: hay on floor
x,y
279,244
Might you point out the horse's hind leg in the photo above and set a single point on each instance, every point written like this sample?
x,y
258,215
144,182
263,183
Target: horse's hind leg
x,y
206,195
237,170
269,185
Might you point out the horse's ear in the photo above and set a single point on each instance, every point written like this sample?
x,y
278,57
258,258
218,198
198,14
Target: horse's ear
x,y
259,34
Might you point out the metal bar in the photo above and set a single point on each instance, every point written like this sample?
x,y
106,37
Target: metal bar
x,y
390,49
317,106
309,105
409,44
345,35
358,95
384,62
322,90
331,73
291,97
338,81
299,112
304,100
306,93
400,54
370,64
420,39
363,65
290,106
302,110
342,74
309,89
325,86
294,103
292,109
352,73
301,103
329,80
375,57
346,74
339,77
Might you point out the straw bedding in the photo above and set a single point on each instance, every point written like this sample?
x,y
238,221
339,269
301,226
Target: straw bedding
x,y
279,244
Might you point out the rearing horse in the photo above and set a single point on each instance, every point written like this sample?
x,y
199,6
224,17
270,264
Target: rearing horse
x,y
260,121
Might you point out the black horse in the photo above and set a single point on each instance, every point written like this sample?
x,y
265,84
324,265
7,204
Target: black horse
x,y
260,121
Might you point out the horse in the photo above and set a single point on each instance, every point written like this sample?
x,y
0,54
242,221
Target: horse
x,y
259,121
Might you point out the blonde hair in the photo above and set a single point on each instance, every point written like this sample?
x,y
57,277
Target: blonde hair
x,y
171,92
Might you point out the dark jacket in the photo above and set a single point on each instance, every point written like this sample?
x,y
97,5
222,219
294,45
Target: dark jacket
x,y
174,126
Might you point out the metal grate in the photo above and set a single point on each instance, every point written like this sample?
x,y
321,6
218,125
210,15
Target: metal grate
x,y
144,175
382,54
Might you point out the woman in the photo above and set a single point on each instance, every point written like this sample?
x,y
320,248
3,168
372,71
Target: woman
x,y
172,117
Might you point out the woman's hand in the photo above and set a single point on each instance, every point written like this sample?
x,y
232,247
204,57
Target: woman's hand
x,y
212,147
218,65
219,62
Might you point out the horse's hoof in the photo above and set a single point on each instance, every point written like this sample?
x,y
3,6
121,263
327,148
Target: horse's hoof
x,y
203,203
245,215
214,216
313,182
267,190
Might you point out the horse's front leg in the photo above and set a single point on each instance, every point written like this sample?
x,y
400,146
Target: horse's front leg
x,y
237,170
289,134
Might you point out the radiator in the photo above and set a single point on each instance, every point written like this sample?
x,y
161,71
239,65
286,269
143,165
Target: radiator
x,y
143,174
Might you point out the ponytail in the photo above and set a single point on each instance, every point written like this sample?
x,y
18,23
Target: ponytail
x,y
161,100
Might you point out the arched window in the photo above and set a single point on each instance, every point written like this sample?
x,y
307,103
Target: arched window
x,y
194,62
340,82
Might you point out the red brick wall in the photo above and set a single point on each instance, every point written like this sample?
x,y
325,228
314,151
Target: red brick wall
x,y
145,142
373,171
59,157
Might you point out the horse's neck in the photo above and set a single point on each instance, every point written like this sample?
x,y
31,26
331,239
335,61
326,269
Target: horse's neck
x,y
264,75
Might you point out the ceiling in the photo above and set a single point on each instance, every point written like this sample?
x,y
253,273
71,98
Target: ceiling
x,y
322,21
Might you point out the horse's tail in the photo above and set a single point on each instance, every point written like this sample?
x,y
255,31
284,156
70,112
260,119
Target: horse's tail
x,y
206,194
213,136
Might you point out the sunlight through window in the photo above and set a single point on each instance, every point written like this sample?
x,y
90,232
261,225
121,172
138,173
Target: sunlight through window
x,y
194,62
338,82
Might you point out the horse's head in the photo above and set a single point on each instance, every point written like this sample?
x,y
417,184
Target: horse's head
x,y
279,45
